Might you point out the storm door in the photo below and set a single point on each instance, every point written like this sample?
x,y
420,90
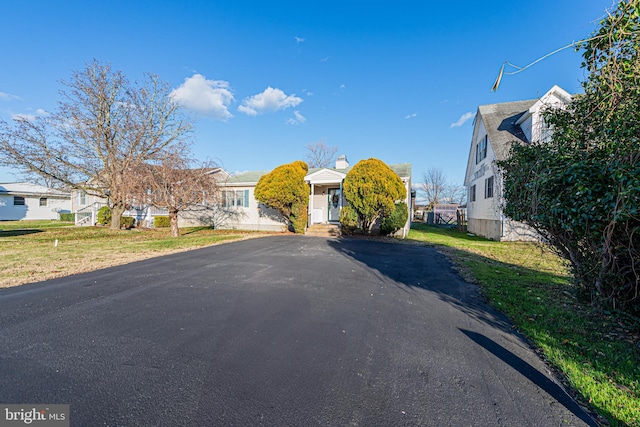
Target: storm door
x,y
334,204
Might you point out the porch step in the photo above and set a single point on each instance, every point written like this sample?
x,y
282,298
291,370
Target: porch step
x,y
324,230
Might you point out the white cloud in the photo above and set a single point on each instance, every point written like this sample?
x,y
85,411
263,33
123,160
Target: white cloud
x,y
7,96
463,119
30,116
18,116
268,101
299,118
206,97
410,116
325,59
298,39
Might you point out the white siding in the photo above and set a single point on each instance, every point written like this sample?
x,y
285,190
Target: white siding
x,y
32,209
253,217
482,208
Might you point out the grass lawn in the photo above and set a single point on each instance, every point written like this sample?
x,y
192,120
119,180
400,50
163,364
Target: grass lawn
x,y
597,354
28,251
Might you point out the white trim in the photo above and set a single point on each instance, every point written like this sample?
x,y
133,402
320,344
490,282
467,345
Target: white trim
x,y
339,176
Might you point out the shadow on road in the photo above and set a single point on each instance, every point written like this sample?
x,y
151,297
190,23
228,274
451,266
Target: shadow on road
x,y
418,266
422,267
531,373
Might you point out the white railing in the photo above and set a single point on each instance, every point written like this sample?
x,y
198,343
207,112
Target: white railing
x,y
88,215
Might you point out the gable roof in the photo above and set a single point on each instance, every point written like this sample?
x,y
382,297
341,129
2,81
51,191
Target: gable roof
x,y
319,175
29,189
500,123
251,177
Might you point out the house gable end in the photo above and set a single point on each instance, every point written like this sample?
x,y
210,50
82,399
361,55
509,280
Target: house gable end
x,y
325,176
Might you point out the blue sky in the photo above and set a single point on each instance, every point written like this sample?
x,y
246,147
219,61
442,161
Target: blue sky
x,y
391,80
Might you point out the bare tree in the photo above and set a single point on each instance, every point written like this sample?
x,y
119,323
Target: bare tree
x,y
437,189
103,129
434,185
320,155
455,193
173,183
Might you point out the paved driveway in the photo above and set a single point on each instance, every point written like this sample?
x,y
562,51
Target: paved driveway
x,y
277,331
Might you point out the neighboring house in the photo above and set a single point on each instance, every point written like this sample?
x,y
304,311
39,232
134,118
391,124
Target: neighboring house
x,y
85,207
23,200
496,127
325,202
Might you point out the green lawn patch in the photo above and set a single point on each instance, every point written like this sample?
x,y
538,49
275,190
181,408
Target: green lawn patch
x,y
596,353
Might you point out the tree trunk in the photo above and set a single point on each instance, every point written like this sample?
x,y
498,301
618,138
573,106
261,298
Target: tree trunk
x,y
173,219
116,214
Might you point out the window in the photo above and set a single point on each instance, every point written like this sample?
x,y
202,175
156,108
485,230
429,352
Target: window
x,y
237,198
18,201
43,202
472,193
488,188
82,198
481,150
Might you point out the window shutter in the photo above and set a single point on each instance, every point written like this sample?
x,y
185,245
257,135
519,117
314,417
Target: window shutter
x,y
246,198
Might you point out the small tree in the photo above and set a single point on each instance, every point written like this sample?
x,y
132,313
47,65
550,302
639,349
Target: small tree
x,y
285,190
174,182
437,189
372,189
320,155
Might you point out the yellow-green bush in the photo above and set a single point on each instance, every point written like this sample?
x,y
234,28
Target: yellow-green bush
x,y
161,221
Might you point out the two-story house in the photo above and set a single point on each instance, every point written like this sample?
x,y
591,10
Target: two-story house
x,y
496,127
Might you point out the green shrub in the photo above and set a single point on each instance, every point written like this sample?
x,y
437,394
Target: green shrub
x,y
161,221
285,190
396,220
299,218
104,215
348,219
127,222
371,188
67,217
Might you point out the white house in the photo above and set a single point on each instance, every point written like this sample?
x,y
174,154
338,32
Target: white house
x,y
85,206
23,200
242,210
496,127
236,207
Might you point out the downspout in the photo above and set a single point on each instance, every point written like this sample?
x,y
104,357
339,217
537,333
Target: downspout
x,y
310,214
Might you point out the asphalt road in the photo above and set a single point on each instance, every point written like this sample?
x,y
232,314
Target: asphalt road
x,y
277,331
